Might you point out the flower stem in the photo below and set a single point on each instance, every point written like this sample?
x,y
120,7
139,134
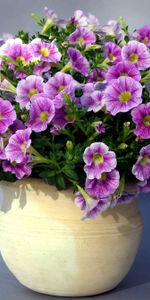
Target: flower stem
x,y
66,68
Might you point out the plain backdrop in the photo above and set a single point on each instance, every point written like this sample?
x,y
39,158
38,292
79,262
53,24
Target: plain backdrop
x,y
16,15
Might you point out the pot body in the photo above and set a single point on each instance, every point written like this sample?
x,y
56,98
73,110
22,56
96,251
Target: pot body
x,y
50,250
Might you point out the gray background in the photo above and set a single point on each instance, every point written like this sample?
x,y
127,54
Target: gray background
x,y
15,15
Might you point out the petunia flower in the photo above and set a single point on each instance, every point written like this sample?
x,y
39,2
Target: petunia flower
x,y
141,168
112,28
80,201
144,186
79,18
2,149
124,198
97,75
41,113
18,144
61,119
57,86
99,127
28,87
98,159
141,118
104,186
137,53
41,68
96,208
122,95
82,36
7,115
78,61
93,101
17,51
124,68
44,51
19,169
112,52
143,35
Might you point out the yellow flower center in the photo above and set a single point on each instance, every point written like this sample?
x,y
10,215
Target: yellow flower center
x,y
124,74
44,52
125,96
23,146
112,57
146,120
20,60
133,57
80,40
43,116
145,40
33,92
99,78
144,160
98,158
1,117
61,88
69,117
103,176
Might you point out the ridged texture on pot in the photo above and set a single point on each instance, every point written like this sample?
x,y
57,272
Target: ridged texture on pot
x,y
50,250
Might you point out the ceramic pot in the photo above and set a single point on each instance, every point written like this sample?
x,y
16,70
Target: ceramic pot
x,y
50,250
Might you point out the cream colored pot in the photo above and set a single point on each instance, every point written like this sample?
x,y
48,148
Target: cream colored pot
x,y
50,250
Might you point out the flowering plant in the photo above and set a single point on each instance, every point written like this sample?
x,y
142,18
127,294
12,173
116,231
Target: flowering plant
x,y
75,108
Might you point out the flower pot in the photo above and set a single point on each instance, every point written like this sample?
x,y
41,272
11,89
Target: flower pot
x,y
50,250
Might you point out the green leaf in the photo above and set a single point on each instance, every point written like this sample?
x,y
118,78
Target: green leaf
x,y
60,182
70,172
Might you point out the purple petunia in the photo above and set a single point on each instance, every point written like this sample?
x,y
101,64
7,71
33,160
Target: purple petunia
x,y
18,145
124,68
57,86
105,185
82,36
112,52
80,201
41,113
60,120
124,198
17,51
96,208
41,68
137,53
44,51
141,117
99,127
97,75
122,95
143,35
7,115
98,159
28,87
144,186
19,169
78,61
92,99
141,168
2,149
112,28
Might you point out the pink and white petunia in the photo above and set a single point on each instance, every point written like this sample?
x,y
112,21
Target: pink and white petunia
x,y
28,87
41,113
18,144
98,159
7,115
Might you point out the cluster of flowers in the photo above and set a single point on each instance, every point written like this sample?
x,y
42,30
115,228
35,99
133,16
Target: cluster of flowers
x,y
75,108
